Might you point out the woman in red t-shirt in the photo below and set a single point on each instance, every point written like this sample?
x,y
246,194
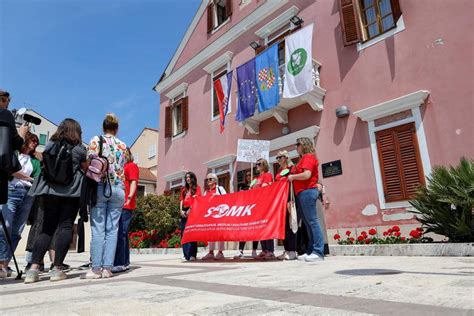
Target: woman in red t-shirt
x,y
305,181
286,168
264,178
188,193
122,253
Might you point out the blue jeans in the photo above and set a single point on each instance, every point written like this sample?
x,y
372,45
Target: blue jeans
x,y
306,206
15,214
190,248
105,218
122,255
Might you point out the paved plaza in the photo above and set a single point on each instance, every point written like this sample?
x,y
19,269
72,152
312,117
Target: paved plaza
x,y
163,285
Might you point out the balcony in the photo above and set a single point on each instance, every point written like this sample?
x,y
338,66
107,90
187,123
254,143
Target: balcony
x,y
314,98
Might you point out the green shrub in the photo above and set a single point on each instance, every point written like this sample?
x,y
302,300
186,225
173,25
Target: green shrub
x,y
159,212
445,205
138,222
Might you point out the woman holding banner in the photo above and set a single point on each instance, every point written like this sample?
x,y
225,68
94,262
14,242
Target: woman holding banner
x,y
188,193
305,180
286,168
264,178
214,189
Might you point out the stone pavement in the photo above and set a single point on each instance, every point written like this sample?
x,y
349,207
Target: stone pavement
x,y
162,285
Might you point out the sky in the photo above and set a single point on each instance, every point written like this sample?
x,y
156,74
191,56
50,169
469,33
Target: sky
x,y
85,58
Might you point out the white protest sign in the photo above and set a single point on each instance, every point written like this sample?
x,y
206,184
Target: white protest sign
x,y
249,150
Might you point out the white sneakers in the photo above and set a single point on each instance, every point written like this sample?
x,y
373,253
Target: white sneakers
x,y
239,255
310,258
287,255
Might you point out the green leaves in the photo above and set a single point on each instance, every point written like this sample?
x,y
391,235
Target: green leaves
x,y
445,205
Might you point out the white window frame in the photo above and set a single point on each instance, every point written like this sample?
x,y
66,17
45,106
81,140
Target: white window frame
x,y
174,117
224,161
214,20
152,151
266,31
174,95
179,175
213,69
412,102
399,27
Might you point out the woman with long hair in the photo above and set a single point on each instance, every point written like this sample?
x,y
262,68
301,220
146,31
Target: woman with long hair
x,y
190,190
105,215
122,254
286,168
60,202
264,179
305,181
17,209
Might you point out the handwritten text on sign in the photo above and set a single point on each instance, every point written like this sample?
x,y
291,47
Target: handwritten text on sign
x,y
249,150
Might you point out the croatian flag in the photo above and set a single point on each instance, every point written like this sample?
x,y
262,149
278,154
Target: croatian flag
x,y
222,87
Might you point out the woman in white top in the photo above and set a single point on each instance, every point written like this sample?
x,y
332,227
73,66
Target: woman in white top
x,y
18,206
214,189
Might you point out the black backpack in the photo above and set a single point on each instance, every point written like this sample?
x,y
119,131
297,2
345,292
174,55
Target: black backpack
x,y
57,163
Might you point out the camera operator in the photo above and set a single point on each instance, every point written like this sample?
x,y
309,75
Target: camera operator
x,y
16,141
8,146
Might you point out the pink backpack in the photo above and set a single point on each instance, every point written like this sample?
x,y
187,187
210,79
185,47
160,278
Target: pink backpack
x,y
98,166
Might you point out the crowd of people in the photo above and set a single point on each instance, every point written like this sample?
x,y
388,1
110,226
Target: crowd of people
x,y
51,188
305,188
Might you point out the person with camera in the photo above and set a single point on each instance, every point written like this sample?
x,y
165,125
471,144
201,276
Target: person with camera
x,y
19,203
59,188
11,140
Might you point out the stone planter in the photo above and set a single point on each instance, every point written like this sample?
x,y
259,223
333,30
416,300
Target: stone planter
x,y
429,250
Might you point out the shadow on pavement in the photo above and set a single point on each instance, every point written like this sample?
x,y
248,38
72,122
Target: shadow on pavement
x,y
362,272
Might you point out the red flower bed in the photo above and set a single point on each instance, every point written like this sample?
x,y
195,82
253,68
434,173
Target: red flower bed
x,y
390,236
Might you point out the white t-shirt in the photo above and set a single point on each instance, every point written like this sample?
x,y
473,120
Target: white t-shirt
x,y
26,168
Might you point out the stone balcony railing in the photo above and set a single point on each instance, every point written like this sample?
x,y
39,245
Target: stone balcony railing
x,y
314,98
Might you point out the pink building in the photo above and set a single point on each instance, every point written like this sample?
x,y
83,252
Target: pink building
x,y
402,68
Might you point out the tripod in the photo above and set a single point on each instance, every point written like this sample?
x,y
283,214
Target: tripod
x,y
4,226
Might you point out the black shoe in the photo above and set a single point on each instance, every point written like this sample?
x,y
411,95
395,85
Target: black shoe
x,y
86,266
65,267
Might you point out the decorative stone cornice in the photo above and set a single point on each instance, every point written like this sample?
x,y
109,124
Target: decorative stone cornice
x,y
397,105
221,161
177,91
277,23
175,175
218,62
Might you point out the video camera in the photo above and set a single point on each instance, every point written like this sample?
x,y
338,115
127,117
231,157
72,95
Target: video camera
x,y
21,117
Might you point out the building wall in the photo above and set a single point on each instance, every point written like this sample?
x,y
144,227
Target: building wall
x,y
46,128
140,149
432,53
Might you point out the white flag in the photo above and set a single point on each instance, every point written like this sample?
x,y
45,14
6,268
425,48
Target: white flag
x,y
298,63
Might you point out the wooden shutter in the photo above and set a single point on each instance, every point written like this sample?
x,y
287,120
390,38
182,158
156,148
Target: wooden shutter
x,y
396,11
184,113
400,162
349,22
228,8
168,121
210,16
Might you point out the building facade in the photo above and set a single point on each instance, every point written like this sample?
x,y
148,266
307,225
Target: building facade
x,y
145,153
397,72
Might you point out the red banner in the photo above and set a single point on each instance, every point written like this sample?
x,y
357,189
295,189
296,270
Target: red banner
x,y
257,214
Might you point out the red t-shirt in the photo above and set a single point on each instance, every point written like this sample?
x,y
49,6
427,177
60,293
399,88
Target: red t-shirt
x,y
263,178
186,196
131,173
278,177
308,162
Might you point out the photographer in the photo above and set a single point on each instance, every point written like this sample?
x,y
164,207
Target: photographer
x,y
16,141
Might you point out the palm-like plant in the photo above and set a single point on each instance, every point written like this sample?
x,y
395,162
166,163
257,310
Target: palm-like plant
x,y
445,205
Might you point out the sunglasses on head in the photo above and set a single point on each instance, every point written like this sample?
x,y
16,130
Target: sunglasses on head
x,y
258,164
279,157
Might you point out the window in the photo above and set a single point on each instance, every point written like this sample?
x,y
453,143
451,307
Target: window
x,y
43,139
215,102
218,12
363,20
140,191
176,117
400,162
151,151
